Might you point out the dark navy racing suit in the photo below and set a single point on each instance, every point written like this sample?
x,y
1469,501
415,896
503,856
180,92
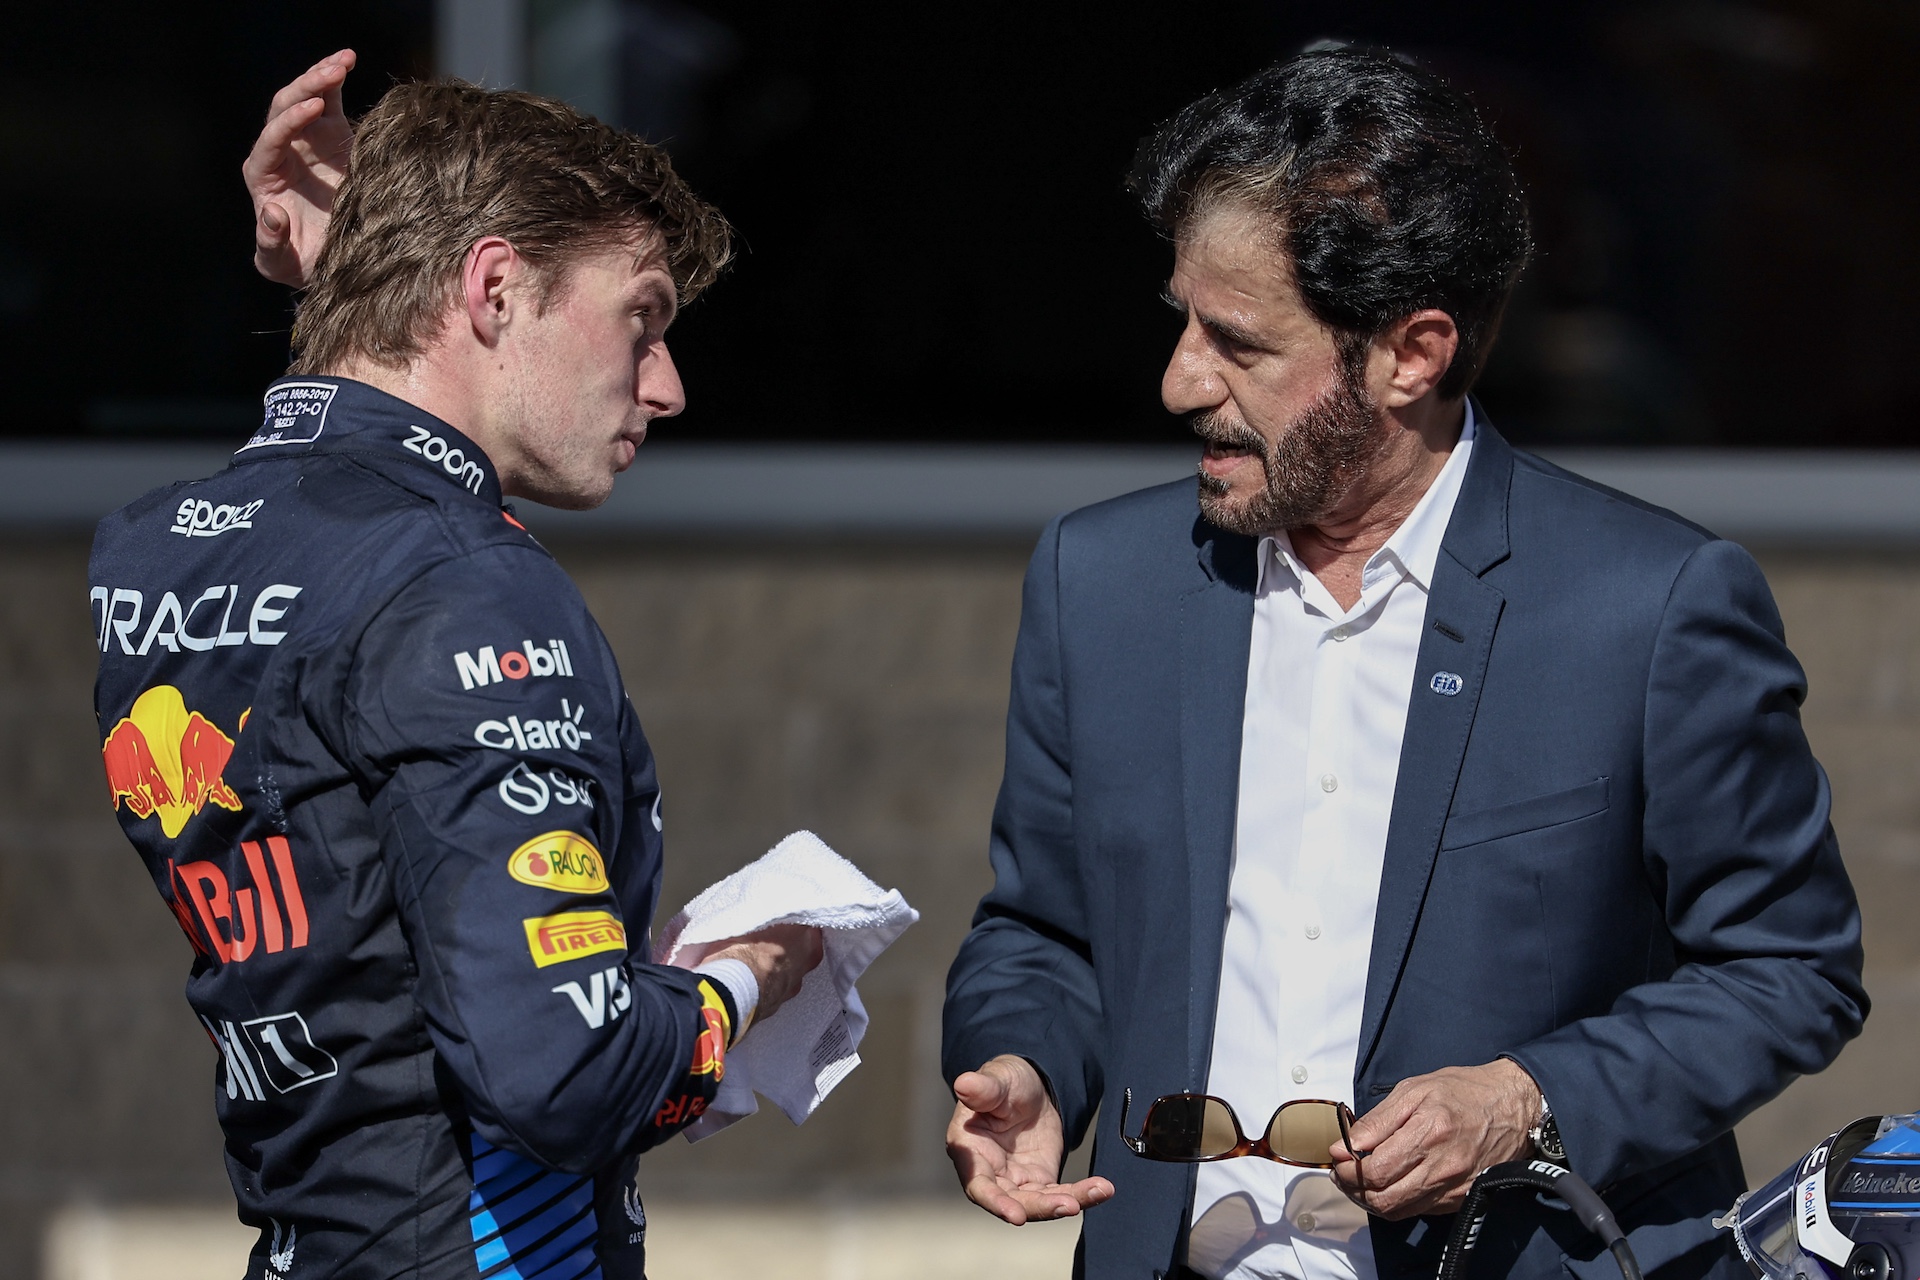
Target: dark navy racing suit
x,y
381,766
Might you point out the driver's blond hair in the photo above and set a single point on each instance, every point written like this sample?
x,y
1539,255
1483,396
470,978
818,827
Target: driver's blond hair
x,y
437,166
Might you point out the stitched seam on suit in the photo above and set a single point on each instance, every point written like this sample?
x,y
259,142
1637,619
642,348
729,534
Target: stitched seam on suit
x,y
1066,743
1646,704
1060,662
1546,928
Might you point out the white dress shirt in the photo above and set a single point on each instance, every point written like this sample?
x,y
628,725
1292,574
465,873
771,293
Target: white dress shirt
x,y
1326,709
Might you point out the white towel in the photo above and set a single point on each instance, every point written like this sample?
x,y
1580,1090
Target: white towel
x,y
809,1045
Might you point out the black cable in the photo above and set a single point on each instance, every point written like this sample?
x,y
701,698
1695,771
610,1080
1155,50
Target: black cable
x,y
1622,1254
1537,1176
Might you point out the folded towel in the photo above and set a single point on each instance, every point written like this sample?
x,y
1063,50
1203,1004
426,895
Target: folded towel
x,y
809,1045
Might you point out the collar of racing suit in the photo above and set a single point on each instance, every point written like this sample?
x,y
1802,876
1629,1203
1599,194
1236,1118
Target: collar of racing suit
x,y
339,415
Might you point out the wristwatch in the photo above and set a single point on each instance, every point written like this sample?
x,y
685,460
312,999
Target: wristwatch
x,y
1545,1136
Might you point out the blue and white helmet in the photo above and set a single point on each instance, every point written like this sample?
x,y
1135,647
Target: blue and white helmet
x,y
1847,1210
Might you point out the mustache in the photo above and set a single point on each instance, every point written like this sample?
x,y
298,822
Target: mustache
x,y
1214,428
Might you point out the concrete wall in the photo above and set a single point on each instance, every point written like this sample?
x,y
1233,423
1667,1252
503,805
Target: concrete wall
x,y
850,689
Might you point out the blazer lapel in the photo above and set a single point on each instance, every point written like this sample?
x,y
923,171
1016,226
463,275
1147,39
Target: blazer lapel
x,y
1216,632
1462,614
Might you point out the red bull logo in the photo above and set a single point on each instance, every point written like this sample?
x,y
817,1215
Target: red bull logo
x,y
236,920
164,759
710,1050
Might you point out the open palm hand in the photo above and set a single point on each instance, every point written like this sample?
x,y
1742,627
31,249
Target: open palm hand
x,y
1006,1144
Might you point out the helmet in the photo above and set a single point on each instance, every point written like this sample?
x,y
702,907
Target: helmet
x,y
1847,1210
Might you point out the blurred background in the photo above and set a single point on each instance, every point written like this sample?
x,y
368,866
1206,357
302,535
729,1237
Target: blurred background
x,y
943,329
937,243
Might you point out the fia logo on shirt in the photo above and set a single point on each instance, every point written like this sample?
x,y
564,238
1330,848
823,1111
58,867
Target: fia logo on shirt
x,y
1446,684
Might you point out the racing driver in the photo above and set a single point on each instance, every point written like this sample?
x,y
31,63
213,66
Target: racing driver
x,y
373,749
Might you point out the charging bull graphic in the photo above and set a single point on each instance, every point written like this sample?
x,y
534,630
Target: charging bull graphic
x,y
710,1050
164,759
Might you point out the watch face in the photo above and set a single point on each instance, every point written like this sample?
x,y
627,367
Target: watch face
x,y
1546,1140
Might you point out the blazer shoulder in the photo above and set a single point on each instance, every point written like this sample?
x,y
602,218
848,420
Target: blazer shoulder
x,y
1164,506
1137,521
1137,530
1550,501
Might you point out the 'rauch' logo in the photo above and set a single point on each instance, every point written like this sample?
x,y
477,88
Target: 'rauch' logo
x,y
529,659
559,860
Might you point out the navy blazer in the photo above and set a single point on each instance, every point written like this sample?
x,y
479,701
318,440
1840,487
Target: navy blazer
x,y
1608,856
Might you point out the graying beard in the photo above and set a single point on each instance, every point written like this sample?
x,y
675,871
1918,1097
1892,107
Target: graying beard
x,y
1323,450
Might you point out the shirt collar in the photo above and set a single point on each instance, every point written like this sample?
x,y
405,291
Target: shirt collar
x,y
1411,550
340,415
1416,543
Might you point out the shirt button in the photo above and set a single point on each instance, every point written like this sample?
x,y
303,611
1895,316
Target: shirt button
x,y
1299,1075
1329,783
1313,932
1305,1222
1341,633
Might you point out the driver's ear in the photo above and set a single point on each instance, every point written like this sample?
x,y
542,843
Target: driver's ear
x,y
488,283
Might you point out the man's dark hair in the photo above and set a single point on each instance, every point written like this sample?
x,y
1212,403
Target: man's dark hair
x,y
1382,185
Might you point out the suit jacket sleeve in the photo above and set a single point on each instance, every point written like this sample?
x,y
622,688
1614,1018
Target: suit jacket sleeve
x,y
1738,849
1023,982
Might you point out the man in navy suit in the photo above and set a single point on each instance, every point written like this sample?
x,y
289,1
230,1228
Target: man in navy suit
x,y
1408,772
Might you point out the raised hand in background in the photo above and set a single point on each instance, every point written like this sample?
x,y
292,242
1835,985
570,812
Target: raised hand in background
x,y
296,165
